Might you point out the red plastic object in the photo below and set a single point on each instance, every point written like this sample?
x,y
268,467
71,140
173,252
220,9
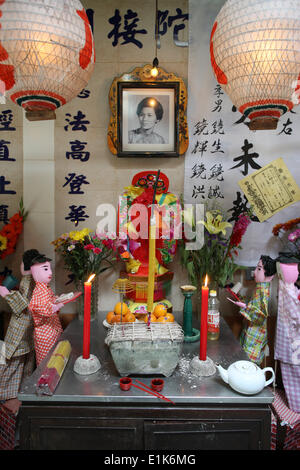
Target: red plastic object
x,y
153,392
157,384
146,179
125,383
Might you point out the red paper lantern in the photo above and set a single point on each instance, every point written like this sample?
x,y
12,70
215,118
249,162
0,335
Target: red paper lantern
x,y
47,53
255,55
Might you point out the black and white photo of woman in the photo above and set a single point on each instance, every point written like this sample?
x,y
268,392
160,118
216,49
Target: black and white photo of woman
x,y
150,112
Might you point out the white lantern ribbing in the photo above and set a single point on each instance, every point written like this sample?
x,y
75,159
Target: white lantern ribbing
x,y
255,55
47,53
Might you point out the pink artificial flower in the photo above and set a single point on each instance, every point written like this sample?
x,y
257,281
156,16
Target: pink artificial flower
x,y
294,235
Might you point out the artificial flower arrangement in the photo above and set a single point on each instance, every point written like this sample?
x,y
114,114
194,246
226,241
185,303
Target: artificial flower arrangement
x,y
10,233
85,252
216,257
289,234
166,245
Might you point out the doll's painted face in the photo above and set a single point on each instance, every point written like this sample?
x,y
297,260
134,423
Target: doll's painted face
x,y
41,272
259,273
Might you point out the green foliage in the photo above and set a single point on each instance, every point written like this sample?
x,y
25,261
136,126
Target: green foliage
x,y
216,257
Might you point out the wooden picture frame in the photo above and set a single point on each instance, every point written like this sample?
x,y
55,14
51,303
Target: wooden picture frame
x,y
148,115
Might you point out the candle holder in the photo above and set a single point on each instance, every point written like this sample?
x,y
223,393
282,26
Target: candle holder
x,y
87,366
190,334
202,368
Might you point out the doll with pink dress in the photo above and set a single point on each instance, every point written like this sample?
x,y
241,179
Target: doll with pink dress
x,y
287,342
44,310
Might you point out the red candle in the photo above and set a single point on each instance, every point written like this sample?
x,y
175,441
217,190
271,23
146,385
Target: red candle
x,y
203,324
87,317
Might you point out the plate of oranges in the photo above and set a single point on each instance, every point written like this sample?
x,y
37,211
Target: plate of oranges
x,y
122,314
160,314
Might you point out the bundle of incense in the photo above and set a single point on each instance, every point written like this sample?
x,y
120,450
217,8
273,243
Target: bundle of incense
x,y
54,369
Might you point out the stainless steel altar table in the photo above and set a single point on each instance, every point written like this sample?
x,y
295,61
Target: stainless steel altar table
x,y
91,412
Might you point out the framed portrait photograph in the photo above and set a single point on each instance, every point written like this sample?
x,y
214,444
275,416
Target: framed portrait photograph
x,y
148,116
148,119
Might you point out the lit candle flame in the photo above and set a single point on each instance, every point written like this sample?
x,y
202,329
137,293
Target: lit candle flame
x,y
91,278
206,281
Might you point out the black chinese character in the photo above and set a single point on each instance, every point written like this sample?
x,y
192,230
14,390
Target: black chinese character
x,y
198,171
217,147
240,206
2,186
4,152
75,182
128,35
216,172
198,191
286,130
79,124
218,106
218,91
77,214
6,118
200,127
200,147
162,16
84,93
77,153
215,193
247,158
218,127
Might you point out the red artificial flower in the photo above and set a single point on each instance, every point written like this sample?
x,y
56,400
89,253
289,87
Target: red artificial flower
x,y
12,230
239,230
8,230
97,250
16,219
89,247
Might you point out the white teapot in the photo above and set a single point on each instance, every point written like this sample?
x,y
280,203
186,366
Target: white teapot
x,y
246,377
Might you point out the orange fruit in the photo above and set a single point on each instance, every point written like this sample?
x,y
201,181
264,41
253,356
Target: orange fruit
x,y
110,316
129,318
121,307
116,319
162,319
152,318
170,317
160,310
